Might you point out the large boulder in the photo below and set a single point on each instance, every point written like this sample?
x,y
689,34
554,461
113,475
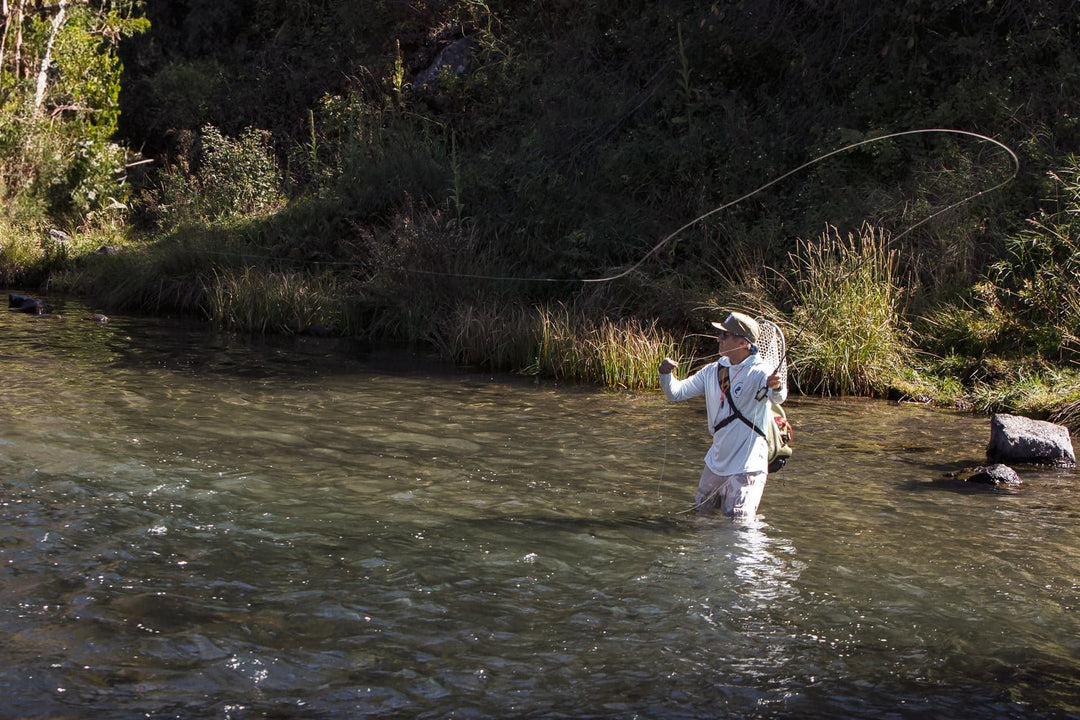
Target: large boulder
x,y
1016,439
458,58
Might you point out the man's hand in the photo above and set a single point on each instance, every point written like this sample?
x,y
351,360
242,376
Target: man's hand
x,y
667,365
773,381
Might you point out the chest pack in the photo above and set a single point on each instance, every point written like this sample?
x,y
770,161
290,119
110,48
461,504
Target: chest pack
x,y
777,433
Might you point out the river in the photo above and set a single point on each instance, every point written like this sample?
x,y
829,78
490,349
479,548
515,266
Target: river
x,y
198,525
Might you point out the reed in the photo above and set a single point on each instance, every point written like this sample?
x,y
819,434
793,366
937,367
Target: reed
x,y
559,342
851,337
257,300
21,254
630,352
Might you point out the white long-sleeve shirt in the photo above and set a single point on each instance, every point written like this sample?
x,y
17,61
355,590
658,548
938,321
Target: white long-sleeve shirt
x,y
735,448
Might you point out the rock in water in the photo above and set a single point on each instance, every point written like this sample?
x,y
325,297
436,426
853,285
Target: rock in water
x,y
1017,439
995,475
21,303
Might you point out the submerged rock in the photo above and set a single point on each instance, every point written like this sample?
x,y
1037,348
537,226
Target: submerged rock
x,y
996,475
1018,439
989,477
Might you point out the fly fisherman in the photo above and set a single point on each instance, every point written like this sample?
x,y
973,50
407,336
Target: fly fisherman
x,y
737,392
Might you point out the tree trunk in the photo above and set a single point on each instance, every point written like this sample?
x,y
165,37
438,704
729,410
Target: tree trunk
x,y
16,60
46,59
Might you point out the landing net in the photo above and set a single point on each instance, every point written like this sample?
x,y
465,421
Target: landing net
x,y
773,348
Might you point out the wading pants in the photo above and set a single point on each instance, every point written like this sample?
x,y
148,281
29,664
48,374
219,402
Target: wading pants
x,y
737,495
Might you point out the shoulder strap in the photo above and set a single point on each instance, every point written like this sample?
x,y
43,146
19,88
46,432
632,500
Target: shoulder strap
x,y
722,378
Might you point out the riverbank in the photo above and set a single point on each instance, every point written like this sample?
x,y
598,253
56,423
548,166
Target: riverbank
x,y
848,328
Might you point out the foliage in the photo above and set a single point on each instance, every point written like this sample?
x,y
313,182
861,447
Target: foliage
x,y
1028,301
1039,276
59,105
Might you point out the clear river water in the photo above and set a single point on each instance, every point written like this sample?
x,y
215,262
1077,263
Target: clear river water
x,y
198,525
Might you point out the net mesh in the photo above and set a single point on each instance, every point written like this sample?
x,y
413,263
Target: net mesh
x,y
773,348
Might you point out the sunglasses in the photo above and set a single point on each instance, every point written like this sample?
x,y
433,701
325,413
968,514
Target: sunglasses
x,y
724,335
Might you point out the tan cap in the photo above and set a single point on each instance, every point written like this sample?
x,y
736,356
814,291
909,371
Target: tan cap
x,y
739,324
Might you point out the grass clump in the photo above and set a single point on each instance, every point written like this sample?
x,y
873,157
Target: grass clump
x,y
488,335
21,254
256,300
850,336
624,354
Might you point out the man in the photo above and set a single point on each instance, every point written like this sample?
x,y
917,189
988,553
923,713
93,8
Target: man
x,y
737,392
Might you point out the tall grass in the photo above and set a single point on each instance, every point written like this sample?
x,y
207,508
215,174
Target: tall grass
x,y
559,342
168,275
21,253
850,337
487,335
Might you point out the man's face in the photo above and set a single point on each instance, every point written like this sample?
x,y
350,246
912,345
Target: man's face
x,y
728,341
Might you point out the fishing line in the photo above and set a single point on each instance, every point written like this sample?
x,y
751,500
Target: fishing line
x,y
1015,171
666,240
820,158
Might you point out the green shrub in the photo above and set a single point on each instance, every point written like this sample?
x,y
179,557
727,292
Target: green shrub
x,y
58,161
233,179
180,94
1038,280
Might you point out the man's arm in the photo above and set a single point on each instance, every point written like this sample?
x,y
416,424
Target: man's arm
x,y
675,389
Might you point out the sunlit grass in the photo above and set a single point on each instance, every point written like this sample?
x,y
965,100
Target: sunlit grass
x,y
623,353
21,253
